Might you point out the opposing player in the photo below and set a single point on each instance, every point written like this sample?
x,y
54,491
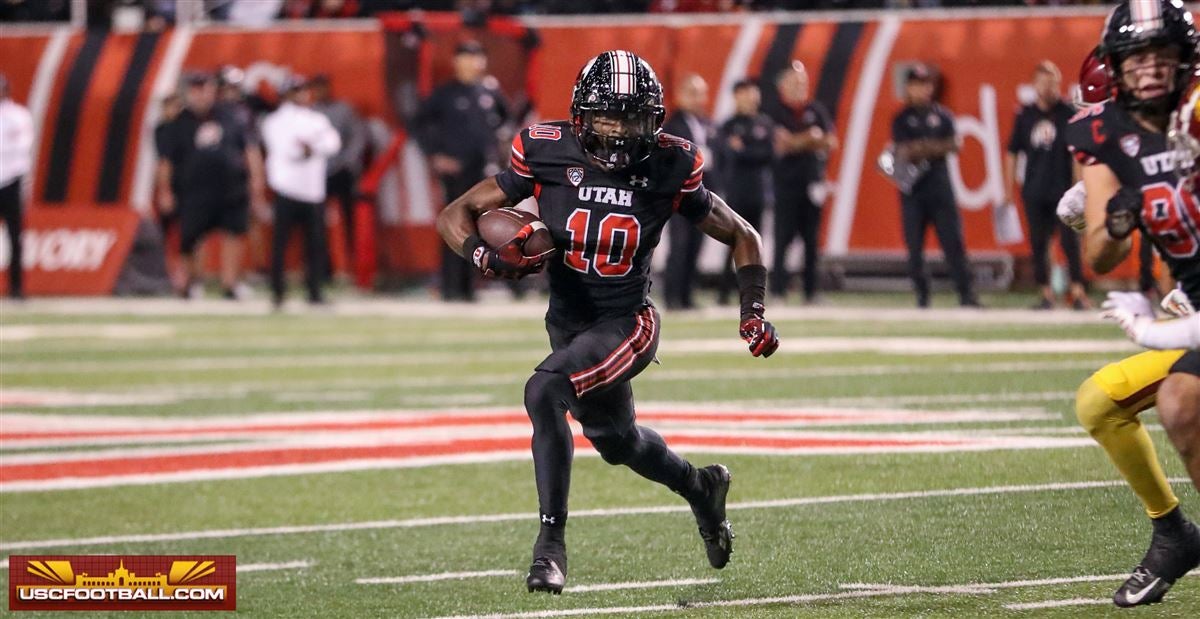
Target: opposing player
x,y
606,183
1149,48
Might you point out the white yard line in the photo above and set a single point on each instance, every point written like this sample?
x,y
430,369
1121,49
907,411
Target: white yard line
x,y
851,591
506,310
189,389
268,567
1059,604
649,584
530,516
401,580
21,333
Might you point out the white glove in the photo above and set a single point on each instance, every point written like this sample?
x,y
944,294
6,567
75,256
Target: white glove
x,y
1131,310
1176,303
1071,206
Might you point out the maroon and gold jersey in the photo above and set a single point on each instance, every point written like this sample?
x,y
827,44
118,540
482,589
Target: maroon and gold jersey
x,y
605,224
1106,134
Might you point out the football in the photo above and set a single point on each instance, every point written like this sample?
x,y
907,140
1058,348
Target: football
x,y
499,226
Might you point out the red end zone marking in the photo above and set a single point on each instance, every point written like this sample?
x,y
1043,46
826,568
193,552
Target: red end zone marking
x,y
187,429
116,466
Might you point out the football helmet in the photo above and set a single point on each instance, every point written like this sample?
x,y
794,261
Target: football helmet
x,y
1137,25
1095,81
617,109
1183,133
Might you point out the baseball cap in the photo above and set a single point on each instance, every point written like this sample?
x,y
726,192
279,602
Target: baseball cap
x,y
470,46
919,71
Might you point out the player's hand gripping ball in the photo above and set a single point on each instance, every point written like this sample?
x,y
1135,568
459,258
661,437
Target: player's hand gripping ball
x,y
518,244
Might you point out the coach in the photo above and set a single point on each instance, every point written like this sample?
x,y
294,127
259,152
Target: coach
x,y
1038,134
300,141
804,138
923,132
457,127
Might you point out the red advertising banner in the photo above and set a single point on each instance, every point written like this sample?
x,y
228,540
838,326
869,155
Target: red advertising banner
x,y
72,251
122,582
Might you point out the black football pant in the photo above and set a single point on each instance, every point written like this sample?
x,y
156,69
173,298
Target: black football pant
x,y
685,242
588,374
795,214
751,209
458,274
311,219
10,212
932,203
1043,223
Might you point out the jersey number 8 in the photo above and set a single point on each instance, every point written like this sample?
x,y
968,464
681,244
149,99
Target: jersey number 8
x,y
615,245
1171,216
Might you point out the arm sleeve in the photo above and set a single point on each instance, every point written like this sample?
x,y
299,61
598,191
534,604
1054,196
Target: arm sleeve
x,y
1173,334
900,130
695,205
1015,141
947,129
1079,140
517,181
425,125
328,141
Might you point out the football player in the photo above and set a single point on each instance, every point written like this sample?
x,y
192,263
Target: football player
x,y
606,182
1136,317
1149,48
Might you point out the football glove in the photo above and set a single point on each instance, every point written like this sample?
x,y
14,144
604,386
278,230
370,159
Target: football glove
x,y
1071,206
760,335
1123,213
1132,311
509,260
1176,303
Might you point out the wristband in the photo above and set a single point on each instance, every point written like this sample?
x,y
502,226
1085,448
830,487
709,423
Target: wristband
x,y
473,248
752,289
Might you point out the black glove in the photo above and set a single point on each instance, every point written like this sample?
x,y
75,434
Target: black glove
x,y
1123,213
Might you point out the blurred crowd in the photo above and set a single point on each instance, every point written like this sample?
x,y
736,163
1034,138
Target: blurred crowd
x,y
160,13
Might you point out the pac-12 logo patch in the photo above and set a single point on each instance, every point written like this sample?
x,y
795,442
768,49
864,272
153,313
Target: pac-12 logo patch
x,y
575,175
1131,144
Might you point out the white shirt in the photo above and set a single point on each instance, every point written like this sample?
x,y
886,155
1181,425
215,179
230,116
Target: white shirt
x,y
16,141
289,173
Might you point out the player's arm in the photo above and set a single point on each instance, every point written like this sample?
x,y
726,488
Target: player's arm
x,y
456,224
1133,312
162,175
1102,251
728,227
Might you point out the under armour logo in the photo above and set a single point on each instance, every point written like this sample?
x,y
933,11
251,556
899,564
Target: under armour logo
x,y
547,519
639,181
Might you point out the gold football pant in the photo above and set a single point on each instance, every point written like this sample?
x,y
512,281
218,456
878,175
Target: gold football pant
x,y
1107,406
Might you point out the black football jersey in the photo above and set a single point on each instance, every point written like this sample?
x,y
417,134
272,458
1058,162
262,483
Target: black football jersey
x,y
605,224
1106,134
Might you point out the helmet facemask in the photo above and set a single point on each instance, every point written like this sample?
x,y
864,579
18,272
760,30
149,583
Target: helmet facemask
x,y
1158,105
618,138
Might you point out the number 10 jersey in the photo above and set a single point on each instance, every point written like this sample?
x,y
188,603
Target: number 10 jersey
x,y
605,223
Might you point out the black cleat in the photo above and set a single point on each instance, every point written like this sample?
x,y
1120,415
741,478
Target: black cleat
x,y
709,510
1173,552
545,575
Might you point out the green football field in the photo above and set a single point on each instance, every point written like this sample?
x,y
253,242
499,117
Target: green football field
x,y
371,460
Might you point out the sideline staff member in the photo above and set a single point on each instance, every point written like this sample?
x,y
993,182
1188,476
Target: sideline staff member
x,y
457,127
215,163
924,133
300,141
